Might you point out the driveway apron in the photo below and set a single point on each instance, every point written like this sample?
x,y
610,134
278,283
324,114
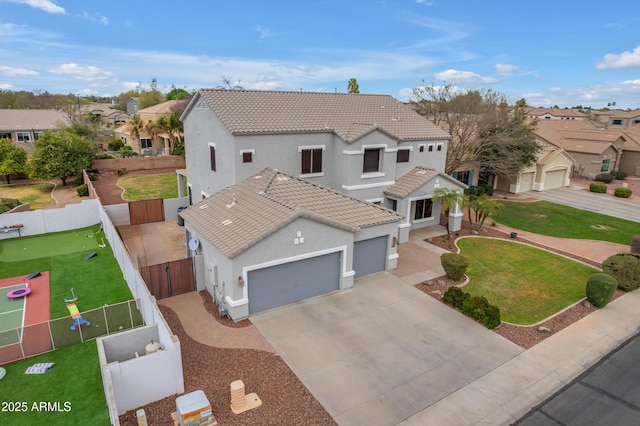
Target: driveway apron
x,y
382,351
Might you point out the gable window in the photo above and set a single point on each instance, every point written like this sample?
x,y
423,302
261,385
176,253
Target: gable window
x,y
431,146
605,166
402,156
439,147
23,136
421,149
423,209
616,122
247,157
212,156
311,161
371,160
146,143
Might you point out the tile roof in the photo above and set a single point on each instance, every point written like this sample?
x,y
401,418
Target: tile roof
x,y
411,181
241,215
577,136
161,108
626,114
348,115
632,142
549,157
32,119
556,112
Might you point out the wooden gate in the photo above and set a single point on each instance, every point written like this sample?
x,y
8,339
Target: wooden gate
x,y
146,211
169,278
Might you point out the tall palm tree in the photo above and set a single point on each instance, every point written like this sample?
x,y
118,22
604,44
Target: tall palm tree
x,y
136,127
450,199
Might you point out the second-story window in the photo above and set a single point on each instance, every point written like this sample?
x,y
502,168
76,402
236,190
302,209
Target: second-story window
x,y
247,157
371,160
311,161
212,156
402,156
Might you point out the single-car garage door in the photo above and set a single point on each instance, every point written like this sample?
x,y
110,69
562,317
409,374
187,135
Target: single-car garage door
x,y
370,256
293,281
554,179
526,182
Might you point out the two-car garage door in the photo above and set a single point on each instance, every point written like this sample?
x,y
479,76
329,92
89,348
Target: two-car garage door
x,y
554,179
293,281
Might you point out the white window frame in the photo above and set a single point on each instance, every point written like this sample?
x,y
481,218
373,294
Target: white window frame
x,y
312,147
247,151
21,135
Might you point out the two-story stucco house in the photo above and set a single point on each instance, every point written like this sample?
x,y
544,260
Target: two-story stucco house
x,y
282,183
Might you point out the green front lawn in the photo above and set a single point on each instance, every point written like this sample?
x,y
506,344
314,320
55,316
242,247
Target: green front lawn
x,y
556,220
147,187
527,284
37,195
69,393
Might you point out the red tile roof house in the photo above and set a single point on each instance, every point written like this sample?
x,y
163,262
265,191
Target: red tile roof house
x,y
296,194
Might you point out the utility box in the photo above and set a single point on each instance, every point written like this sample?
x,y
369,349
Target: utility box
x,y
194,409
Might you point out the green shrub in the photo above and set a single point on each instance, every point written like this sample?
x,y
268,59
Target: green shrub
x,y
598,187
483,188
478,308
121,172
487,187
600,289
455,297
103,156
625,268
622,192
83,190
78,181
454,265
604,177
620,175
115,145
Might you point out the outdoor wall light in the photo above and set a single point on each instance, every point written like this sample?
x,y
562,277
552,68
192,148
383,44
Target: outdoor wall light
x,y
240,280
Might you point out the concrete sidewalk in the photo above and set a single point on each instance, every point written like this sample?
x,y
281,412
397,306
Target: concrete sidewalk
x,y
508,392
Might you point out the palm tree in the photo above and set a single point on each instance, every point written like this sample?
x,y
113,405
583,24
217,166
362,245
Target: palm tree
x,y
136,127
451,198
483,207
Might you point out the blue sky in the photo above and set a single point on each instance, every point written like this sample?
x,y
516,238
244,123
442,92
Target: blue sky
x,y
561,52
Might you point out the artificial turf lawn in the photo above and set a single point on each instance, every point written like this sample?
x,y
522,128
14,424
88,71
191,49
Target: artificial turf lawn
x,y
556,220
527,284
75,379
96,282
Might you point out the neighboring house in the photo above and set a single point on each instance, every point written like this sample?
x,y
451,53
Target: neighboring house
x,y
624,119
594,149
25,126
109,115
132,106
556,114
148,144
272,239
630,161
552,170
357,144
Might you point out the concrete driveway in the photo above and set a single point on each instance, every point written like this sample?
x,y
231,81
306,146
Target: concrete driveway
x,y
383,351
585,200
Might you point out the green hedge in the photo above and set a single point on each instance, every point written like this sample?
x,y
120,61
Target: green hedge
x,y
476,307
600,289
454,265
625,268
598,187
604,177
83,190
622,192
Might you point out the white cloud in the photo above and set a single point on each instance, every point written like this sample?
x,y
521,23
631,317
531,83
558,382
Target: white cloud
x,y
624,60
45,5
507,69
264,32
16,72
95,18
463,77
425,2
6,86
81,73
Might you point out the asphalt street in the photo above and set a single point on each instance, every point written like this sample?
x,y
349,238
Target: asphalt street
x,y
606,394
581,199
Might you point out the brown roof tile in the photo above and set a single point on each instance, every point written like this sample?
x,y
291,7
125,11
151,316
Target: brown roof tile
x,y
350,116
411,181
241,215
32,119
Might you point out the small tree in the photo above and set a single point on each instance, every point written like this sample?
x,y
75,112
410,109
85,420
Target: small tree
x,y
479,208
13,159
455,265
60,155
450,198
352,86
116,145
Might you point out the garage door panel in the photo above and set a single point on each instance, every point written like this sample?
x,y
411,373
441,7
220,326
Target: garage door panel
x,y
554,179
526,182
370,256
293,281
